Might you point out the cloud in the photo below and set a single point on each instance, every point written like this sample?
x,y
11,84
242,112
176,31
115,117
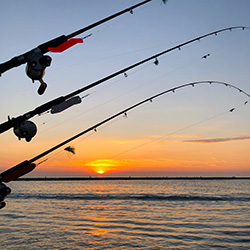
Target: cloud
x,y
216,140
104,163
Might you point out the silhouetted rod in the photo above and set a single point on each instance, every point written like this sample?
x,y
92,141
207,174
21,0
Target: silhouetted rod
x,y
44,48
11,123
25,166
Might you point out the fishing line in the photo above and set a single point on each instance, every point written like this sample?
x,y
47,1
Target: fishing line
x,y
219,49
97,106
108,85
188,64
66,53
150,141
56,155
100,129
142,85
29,165
163,75
115,98
127,53
96,33
54,117
79,140
104,58
124,112
63,99
179,130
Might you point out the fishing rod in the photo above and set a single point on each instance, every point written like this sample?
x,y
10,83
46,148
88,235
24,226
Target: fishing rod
x,y
37,62
29,165
27,129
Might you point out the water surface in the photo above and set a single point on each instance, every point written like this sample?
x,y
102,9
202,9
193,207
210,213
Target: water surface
x,y
127,214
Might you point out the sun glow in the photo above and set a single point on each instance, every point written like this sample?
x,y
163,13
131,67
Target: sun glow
x,y
100,172
103,166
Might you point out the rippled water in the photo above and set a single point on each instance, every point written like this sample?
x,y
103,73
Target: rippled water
x,y
142,214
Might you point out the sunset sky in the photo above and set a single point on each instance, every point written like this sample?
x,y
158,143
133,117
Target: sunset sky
x,y
189,132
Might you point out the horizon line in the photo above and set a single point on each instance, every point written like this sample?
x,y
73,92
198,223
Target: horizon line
x,y
86,178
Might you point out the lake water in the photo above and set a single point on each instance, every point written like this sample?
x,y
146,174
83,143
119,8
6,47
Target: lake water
x,y
127,214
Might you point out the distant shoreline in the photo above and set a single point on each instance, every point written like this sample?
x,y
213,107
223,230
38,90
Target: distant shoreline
x,y
91,178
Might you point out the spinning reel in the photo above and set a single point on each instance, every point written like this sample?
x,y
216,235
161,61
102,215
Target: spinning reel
x,y
4,191
35,68
26,130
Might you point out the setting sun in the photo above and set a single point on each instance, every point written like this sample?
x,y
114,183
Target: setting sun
x,y
103,166
100,171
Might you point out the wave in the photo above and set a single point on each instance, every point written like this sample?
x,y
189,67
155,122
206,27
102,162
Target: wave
x,y
139,197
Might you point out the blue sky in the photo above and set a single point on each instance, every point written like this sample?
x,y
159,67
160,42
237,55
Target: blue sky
x,y
152,28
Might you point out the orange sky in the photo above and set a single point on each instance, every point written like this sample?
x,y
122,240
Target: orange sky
x,y
149,148
154,158
159,138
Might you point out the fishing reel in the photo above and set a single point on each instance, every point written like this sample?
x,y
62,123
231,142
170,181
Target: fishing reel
x,y
26,130
35,68
4,191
